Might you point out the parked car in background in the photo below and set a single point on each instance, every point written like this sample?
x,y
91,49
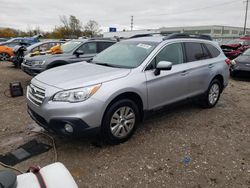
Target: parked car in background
x,y
236,47
241,64
40,47
3,39
5,53
6,48
112,93
27,41
73,51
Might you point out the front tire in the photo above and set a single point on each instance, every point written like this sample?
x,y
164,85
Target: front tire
x,y
212,95
120,121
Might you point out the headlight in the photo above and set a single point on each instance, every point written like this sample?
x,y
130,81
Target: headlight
x,y
76,95
36,63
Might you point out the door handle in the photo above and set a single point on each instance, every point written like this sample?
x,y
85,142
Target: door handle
x,y
184,73
210,66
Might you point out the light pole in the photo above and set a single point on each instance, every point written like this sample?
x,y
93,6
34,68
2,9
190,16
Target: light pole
x,y
245,24
132,23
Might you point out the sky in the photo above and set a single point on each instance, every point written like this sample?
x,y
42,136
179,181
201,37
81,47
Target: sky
x,y
148,14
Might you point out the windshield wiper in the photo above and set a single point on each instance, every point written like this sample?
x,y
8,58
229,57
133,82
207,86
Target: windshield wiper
x,y
112,65
106,64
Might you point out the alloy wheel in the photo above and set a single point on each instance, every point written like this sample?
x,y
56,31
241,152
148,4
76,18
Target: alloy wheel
x,y
122,122
214,93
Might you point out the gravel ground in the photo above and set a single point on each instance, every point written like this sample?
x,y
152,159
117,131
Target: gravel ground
x,y
184,146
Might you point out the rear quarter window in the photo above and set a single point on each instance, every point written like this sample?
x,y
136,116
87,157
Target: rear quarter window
x,y
213,50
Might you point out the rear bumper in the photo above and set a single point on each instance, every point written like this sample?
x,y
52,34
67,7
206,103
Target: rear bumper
x,y
244,68
31,70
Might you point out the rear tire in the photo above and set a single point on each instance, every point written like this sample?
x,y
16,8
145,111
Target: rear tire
x,y
212,95
120,121
232,74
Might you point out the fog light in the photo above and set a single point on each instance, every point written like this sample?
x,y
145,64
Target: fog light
x,y
68,128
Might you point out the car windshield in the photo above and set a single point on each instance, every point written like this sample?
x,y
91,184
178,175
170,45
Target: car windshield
x,y
127,54
69,46
247,53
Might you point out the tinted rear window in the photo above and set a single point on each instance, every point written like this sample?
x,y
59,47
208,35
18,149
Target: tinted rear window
x,y
104,45
194,51
213,50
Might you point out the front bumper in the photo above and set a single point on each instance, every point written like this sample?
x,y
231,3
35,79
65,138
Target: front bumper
x,y
57,125
32,71
85,117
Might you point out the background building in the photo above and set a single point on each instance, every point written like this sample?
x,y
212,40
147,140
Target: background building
x,y
127,34
220,33
213,30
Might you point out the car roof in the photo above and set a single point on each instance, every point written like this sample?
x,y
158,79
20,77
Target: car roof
x,y
93,39
6,43
156,39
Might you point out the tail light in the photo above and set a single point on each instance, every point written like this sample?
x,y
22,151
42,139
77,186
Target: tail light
x,y
233,62
228,62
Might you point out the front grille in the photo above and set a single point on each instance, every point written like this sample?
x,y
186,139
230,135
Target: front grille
x,y
36,94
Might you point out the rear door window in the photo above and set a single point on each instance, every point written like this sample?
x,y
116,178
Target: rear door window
x,y
194,51
103,45
89,48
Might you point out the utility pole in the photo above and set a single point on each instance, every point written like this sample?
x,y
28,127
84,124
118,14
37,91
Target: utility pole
x,y
132,22
245,24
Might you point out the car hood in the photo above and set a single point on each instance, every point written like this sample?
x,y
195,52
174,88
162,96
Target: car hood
x,y
43,57
243,59
79,75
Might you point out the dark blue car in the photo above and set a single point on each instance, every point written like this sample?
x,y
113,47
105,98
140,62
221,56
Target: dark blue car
x,y
26,41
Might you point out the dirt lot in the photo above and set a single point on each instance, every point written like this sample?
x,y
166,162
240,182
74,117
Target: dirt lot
x,y
216,141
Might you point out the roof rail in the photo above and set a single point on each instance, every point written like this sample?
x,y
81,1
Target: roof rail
x,y
143,35
186,35
99,38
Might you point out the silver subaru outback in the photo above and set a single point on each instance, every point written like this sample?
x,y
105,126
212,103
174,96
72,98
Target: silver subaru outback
x,y
111,93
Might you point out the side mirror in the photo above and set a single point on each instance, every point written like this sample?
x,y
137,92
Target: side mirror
x,y
163,65
78,53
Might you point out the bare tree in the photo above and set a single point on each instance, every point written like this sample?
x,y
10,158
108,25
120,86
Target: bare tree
x,y
92,28
29,31
71,27
75,26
